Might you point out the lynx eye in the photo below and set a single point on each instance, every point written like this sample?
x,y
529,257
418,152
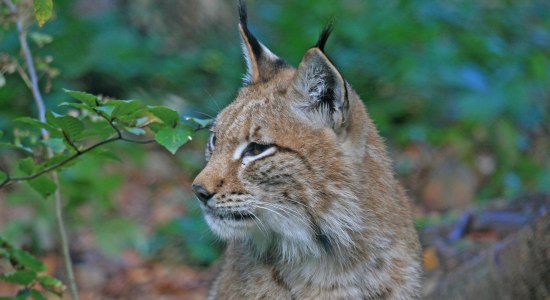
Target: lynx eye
x,y
212,141
254,149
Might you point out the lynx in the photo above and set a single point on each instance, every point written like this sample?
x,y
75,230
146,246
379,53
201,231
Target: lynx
x,y
299,184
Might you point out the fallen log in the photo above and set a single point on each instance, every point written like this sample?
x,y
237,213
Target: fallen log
x,y
516,267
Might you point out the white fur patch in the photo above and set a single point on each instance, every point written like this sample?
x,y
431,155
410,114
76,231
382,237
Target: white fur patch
x,y
270,55
248,159
247,78
239,150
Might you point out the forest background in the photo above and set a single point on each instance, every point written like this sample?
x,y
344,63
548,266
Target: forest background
x,y
459,89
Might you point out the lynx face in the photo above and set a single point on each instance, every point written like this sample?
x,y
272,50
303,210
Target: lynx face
x,y
299,184
279,172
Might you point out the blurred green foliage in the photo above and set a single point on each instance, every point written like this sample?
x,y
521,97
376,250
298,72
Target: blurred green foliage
x,y
470,75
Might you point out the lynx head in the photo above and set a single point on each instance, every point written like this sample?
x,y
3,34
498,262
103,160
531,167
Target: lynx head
x,y
283,156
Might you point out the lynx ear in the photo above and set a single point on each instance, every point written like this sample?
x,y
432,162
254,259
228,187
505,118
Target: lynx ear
x,y
261,63
322,86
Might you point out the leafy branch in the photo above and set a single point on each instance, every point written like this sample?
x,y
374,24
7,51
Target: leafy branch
x,y
65,138
25,270
43,11
123,117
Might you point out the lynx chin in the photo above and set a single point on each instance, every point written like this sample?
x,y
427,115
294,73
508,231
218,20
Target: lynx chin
x,y
299,184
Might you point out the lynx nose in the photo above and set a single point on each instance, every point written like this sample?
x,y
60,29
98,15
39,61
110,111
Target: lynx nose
x,y
201,192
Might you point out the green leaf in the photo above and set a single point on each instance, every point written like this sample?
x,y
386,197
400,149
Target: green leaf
x,y
36,123
86,98
201,122
10,145
25,259
51,284
36,295
56,144
125,108
156,127
22,277
77,105
43,185
105,154
70,125
169,116
22,294
27,166
173,138
3,176
43,11
107,109
51,118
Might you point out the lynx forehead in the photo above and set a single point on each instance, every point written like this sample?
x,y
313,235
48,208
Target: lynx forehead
x,y
299,185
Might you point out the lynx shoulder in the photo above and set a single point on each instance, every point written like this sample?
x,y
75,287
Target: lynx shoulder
x,y
299,184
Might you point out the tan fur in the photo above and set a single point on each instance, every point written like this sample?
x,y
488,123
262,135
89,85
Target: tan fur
x,y
329,219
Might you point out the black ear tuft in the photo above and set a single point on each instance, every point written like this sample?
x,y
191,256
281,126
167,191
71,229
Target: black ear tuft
x,y
243,18
261,63
324,36
250,39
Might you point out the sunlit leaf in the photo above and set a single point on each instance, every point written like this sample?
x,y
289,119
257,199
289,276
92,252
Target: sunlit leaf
x,y
201,122
3,176
107,109
22,277
43,10
86,98
173,138
52,284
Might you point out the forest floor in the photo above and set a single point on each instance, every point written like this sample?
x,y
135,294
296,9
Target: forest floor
x,y
157,196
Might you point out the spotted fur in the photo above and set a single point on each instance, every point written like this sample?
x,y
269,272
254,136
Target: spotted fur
x,y
299,184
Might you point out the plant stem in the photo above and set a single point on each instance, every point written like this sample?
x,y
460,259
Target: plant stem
x,y
64,240
39,101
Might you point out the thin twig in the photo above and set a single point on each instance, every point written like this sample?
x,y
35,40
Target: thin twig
x,y
70,142
39,101
30,63
110,121
53,167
